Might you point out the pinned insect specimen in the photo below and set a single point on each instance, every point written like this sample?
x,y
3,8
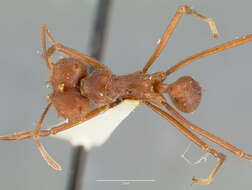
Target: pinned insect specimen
x,y
74,89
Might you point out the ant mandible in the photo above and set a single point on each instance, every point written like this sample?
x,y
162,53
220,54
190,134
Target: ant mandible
x,y
74,89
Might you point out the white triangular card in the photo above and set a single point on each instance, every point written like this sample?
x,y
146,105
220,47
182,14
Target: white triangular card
x,y
97,130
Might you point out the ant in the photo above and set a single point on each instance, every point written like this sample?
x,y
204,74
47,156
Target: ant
x,y
74,89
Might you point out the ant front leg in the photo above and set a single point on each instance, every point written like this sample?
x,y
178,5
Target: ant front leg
x,y
41,148
194,139
52,131
68,51
171,27
34,135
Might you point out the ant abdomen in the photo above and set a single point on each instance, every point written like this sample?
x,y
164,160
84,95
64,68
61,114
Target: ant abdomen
x,y
185,94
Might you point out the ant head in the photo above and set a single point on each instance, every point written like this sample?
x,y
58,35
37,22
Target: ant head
x,y
70,104
65,80
185,94
67,73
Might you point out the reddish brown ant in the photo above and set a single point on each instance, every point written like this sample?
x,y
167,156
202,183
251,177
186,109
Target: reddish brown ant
x,y
74,89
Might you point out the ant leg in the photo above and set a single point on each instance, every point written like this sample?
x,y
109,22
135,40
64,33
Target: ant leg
x,y
60,128
70,124
214,50
34,135
41,148
27,135
43,42
206,134
171,27
68,51
52,131
194,139
56,129
39,125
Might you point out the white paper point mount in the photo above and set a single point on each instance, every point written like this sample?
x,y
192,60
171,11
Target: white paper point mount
x,y
96,131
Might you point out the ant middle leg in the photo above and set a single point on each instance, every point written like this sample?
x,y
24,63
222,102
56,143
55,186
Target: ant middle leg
x,y
205,147
171,27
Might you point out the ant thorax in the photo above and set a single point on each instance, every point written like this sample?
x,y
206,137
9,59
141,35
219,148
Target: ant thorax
x,y
103,87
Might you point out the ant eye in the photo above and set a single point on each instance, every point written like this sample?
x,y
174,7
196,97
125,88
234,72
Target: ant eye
x,y
128,91
185,94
